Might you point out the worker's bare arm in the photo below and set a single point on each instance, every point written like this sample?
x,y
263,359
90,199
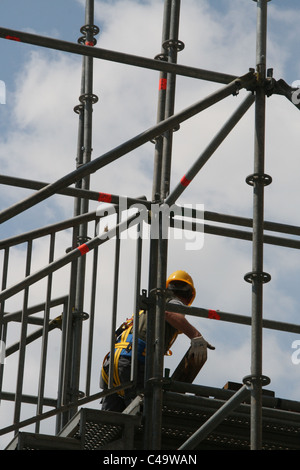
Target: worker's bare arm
x,y
178,321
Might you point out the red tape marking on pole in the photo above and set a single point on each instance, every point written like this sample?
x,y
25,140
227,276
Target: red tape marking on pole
x,y
83,249
213,315
162,84
104,197
89,43
13,38
184,181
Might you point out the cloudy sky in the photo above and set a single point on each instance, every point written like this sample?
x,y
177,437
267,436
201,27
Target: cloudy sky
x,y
38,141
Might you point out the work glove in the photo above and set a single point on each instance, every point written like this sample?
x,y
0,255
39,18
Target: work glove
x,y
199,349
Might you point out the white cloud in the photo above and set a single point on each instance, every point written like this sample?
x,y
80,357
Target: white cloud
x,y
41,141
2,92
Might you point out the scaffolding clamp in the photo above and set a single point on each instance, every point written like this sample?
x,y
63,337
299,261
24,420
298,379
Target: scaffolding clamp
x,y
145,301
173,43
162,57
88,30
82,316
246,81
164,381
158,291
88,97
75,393
57,322
259,178
251,380
259,276
80,240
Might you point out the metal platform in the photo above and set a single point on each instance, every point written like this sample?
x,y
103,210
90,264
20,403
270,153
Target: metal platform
x,y
183,414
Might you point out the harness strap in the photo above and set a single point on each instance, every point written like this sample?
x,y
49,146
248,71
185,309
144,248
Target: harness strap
x,y
118,350
124,344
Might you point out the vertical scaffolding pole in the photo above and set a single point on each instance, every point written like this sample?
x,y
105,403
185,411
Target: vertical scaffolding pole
x,y
257,277
153,259
76,314
44,347
23,332
3,325
87,99
161,106
172,46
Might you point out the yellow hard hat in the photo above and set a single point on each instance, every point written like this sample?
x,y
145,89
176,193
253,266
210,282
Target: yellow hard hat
x,y
183,276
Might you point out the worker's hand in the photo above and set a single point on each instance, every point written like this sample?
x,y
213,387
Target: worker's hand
x,y
199,349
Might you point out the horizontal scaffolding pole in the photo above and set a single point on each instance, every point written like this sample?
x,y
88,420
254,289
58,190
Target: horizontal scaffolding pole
x,y
232,318
238,220
287,416
68,258
275,403
63,408
53,324
113,56
248,222
242,235
116,199
130,145
74,192
233,233
32,400
65,224
48,230
188,212
17,316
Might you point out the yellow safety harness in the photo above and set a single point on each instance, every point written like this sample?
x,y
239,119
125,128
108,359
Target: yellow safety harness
x,y
119,346
123,346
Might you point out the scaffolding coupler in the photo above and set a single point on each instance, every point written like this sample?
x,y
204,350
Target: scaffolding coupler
x,y
247,81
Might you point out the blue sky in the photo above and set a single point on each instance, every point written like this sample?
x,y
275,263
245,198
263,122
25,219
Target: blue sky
x,y
39,136
54,19
63,20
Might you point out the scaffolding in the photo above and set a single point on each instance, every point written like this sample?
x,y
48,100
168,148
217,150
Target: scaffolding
x,y
160,392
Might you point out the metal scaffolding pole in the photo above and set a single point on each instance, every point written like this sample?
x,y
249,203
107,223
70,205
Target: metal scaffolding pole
x,y
88,98
257,277
3,326
120,57
123,149
153,258
45,330
73,324
162,87
23,333
172,45
215,419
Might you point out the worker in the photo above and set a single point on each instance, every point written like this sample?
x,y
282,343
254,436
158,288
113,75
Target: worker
x,y
180,291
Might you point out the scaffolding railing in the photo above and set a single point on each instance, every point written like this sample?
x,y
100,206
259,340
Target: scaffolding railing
x,y
47,323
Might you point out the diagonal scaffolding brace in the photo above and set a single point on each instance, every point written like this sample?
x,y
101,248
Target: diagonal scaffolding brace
x,y
132,144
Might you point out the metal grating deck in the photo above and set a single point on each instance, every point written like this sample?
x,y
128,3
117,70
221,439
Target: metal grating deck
x,y
182,415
